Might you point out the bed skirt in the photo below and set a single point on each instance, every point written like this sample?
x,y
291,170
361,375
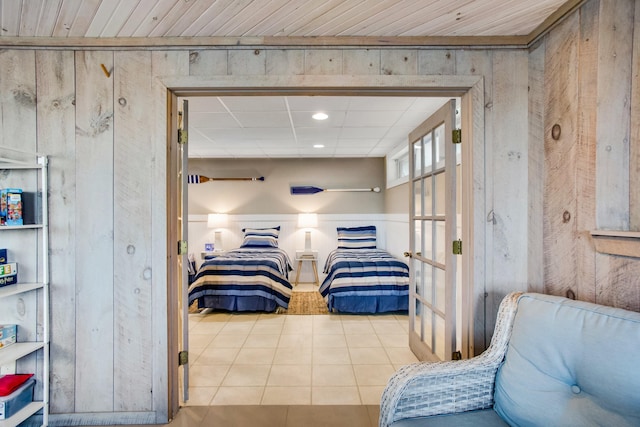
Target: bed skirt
x,y
237,303
368,304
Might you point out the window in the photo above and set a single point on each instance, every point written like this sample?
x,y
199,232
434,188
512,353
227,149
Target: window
x,y
398,167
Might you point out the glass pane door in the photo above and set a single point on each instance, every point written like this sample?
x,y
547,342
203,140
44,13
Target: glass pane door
x,y
433,221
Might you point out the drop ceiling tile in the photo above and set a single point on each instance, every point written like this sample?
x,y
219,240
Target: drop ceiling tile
x,y
267,119
380,103
207,151
372,118
363,132
428,105
276,153
212,121
358,126
276,145
247,152
196,136
314,134
254,104
392,143
351,142
304,119
209,104
355,151
248,134
400,132
318,103
378,152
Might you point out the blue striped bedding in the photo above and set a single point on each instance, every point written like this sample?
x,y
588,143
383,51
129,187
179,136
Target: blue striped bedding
x,y
365,281
244,279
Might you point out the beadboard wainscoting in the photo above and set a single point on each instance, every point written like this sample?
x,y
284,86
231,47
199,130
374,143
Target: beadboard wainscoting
x,y
392,234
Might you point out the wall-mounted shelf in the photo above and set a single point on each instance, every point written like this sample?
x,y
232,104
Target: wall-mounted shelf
x,y
22,414
20,227
612,242
31,353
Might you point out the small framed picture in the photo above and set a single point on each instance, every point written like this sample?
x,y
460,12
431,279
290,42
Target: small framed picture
x,y
208,247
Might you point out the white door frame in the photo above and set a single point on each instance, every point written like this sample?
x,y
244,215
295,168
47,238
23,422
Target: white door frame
x,y
471,91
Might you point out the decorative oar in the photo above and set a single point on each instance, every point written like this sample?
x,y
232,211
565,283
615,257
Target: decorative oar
x,y
199,179
308,189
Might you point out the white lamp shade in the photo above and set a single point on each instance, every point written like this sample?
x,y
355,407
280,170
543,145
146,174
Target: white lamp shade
x,y
217,220
307,220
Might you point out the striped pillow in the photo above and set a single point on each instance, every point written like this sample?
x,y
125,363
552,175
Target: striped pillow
x,y
357,237
260,237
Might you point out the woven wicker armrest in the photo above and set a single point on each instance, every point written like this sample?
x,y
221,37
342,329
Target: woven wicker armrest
x,y
423,389
432,388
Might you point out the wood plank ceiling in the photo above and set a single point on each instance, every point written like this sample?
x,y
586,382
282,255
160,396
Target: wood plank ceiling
x,y
276,22
277,126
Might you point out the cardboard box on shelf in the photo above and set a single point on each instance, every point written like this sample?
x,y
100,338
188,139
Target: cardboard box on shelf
x,y
8,269
8,335
8,273
11,206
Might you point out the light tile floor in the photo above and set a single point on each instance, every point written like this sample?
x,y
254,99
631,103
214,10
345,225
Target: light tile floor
x,y
279,359
275,416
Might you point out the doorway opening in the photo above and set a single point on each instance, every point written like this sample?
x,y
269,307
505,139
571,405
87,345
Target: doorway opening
x,y
469,95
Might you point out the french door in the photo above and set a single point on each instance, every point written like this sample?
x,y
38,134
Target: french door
x,y
433,220
183,259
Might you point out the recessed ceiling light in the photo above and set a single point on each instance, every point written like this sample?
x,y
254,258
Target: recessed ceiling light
x,y
320,116
318,146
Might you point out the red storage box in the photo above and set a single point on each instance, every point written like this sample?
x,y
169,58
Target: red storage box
x,y
14,402
10,383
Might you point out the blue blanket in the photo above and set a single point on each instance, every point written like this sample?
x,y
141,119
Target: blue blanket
x,y
365,281
244,279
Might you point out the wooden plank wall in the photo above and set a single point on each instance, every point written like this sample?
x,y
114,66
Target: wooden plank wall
x,y
634,157
94,239
133,175
107,137
56,136
590,170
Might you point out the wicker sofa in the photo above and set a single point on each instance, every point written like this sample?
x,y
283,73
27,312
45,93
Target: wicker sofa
x,y
552,362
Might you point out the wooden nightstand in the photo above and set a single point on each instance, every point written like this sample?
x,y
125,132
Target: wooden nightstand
x,y
303,256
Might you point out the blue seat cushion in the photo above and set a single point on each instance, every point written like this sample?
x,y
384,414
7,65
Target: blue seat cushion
x,y
570,363
482,418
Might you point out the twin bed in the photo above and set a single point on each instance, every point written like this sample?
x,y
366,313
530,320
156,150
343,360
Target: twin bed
x,y
362,278
255,277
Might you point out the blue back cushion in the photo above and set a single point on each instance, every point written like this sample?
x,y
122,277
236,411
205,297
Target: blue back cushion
x,y
570,363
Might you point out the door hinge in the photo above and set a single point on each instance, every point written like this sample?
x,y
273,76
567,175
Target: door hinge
x,y
183,137
456,136
182,247
457,247
183,358
456,355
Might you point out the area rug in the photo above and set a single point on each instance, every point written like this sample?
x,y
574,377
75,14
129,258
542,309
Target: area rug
x,y
307,303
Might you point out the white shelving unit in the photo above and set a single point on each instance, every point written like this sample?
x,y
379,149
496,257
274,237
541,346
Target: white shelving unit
x,y
30,169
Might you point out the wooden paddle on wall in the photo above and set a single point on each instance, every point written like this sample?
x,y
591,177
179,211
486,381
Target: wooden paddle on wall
x,y
308,189
199,179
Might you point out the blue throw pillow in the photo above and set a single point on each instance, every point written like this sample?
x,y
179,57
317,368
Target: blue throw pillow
x,y
357,237
260,237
